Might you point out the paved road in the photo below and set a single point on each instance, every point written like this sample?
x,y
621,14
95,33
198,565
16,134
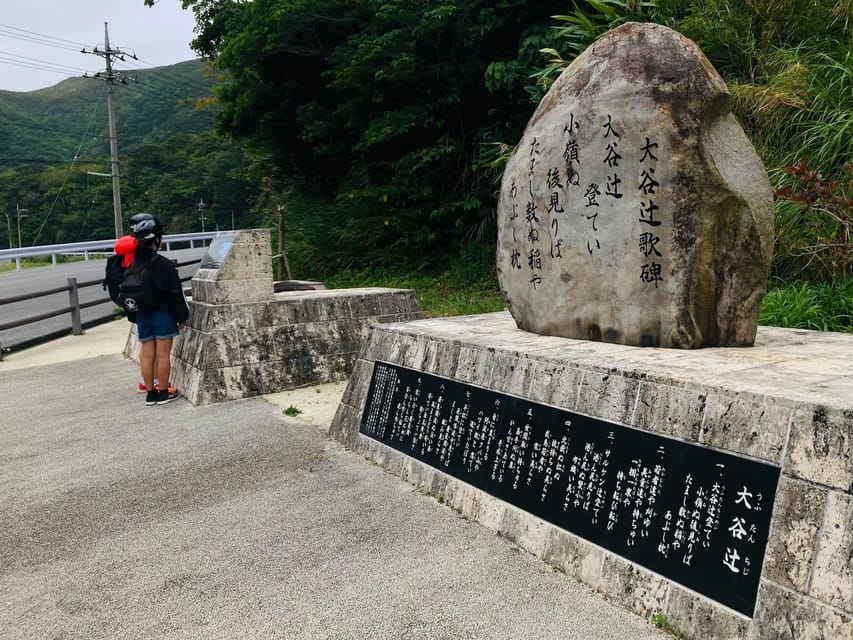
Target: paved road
x,y
235,521
14,283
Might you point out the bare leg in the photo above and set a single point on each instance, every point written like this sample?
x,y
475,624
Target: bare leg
x,y
154,368
164,363
147,352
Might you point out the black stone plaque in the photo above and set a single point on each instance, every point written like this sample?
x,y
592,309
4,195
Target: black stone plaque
x,y
695,515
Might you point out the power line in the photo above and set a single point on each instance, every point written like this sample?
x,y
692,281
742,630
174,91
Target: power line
x,y
124,55
34,63
58,41
170,75
111,78
32,160
68,173
48,41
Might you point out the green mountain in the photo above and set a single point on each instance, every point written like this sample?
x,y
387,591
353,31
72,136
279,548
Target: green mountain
x,y
52,126
171,162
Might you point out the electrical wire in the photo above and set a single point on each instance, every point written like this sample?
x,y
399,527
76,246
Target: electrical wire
x,y
73,162
39,38
69,45
39,65
33,37
170,76
85,220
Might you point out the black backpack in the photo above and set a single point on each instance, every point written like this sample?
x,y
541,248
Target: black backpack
x,y
113,275
136,292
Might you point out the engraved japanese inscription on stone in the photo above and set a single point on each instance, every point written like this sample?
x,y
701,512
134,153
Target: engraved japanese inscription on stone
x,y
578,200
634,209
697,516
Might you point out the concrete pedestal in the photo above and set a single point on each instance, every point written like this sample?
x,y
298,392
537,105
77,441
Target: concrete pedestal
x,y
786,402
296,339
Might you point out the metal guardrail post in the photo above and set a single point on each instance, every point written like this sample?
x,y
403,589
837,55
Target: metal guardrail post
x,y
74,303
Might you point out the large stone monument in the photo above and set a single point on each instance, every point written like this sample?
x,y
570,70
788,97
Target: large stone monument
x,y
712,486
634,209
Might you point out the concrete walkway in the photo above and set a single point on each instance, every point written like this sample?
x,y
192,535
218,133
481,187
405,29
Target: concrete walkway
x,y
235,521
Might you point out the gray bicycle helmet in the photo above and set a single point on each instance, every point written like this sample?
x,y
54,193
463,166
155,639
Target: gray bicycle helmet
x,y
137,218
147,229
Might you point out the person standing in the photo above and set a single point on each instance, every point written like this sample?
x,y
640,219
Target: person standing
x,y
126,246
162,315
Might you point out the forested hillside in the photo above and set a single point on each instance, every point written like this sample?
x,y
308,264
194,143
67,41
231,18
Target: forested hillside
x,y
53,125
53,140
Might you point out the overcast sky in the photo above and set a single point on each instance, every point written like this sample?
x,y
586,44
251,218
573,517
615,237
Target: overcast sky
x,y
40,40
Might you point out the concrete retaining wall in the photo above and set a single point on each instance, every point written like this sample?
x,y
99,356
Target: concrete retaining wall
x,y
787,401
298,338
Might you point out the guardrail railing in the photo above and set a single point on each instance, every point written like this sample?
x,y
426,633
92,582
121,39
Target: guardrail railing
x,y
73,308
96,246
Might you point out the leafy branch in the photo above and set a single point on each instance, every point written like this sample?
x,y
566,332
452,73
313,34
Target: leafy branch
x,y
818,229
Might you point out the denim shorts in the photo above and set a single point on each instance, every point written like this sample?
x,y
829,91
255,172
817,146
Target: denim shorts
x,y
157,324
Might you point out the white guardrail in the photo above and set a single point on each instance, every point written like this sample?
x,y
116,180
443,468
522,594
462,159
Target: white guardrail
x,y
97,246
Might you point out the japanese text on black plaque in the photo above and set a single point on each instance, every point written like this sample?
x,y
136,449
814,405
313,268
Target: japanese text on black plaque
x,y
697,516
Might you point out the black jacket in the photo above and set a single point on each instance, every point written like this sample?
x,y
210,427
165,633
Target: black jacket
x,y
167,282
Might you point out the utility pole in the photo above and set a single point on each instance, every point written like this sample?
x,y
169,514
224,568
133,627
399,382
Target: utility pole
x,y
111,78
8,228
201,206
20,213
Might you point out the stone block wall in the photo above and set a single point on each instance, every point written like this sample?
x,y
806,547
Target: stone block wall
x,y
299,338
246,337
787,401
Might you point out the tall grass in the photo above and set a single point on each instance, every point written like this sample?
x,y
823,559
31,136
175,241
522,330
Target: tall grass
x,y
801,305
801,105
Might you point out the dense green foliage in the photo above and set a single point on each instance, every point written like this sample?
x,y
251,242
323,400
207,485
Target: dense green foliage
x,y
801,305
467,286
378,109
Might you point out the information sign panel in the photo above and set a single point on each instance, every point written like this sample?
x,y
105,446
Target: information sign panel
x,y
693,514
